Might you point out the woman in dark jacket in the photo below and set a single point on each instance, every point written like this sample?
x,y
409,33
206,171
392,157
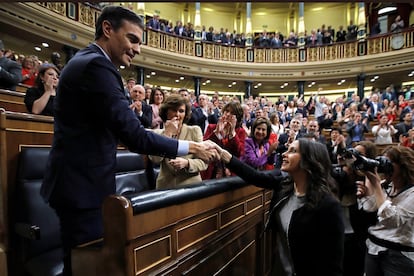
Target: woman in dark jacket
x,y
305,217
39,99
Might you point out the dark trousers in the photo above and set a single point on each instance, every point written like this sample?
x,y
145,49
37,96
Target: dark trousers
x,y
354,253
78,226
388,263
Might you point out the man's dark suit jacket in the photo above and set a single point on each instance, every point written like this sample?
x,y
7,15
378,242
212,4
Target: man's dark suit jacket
x,y
10,73
92,116
146,118
197,118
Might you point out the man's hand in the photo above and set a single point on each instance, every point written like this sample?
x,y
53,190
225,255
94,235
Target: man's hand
x,y
205,150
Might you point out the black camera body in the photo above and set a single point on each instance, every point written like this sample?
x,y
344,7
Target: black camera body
x,y
363,163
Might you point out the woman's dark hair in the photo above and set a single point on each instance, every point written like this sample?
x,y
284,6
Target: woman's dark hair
x,y
236,109
152,96
173,102
258,122
273,116
370,149
317,164
41,72
116,16
403,157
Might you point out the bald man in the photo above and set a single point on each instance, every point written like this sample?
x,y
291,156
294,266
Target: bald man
x,y
139,106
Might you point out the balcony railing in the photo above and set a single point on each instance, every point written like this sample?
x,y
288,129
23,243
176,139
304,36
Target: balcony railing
x,y
87,14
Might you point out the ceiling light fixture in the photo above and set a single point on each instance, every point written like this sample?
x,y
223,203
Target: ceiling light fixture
x,y
181,78
153,73
44,44
37,48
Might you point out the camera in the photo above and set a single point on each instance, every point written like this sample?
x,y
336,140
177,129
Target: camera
x,y
363,163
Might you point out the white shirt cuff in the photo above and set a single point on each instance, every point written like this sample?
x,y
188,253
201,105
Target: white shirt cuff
x,y
183,148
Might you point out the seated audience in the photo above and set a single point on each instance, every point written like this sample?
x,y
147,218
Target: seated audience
x,y
175,112
39,99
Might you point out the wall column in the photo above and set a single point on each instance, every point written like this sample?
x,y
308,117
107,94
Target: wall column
x,y
249,35
361,85
197,81
248,91
301,25
301,88
140,75
362,33
197,22
141,10
69,52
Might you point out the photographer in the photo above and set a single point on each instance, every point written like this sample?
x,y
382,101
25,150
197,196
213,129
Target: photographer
x,y
357,221
391,240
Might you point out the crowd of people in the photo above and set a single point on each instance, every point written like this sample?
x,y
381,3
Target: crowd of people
x,y
316,213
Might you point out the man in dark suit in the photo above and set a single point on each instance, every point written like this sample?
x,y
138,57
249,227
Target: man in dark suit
x,y
92,115
154,23
10,71
139,106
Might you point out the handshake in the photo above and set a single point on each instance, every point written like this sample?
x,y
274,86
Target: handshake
x,y
209,151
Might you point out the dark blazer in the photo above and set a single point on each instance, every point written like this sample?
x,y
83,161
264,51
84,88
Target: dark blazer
x,y
92,116
10,73
316,235
146,118
197,118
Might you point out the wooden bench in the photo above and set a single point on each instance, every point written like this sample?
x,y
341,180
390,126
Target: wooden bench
x,y
12,101
211,228
22,87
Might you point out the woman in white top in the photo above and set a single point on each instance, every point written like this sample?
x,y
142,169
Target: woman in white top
x,y
277,127
391,241
156,99
384,131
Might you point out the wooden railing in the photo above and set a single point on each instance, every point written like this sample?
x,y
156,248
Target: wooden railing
x,y
212,228
12,101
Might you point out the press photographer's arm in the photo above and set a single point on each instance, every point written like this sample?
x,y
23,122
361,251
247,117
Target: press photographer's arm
x,y
371,190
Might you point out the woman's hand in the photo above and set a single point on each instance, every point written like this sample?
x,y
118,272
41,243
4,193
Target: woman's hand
x,y
172,127
179,163
49,86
